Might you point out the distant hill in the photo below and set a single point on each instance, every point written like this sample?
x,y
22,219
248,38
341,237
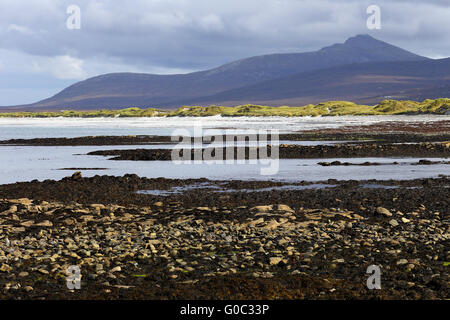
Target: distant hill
x,y
297,78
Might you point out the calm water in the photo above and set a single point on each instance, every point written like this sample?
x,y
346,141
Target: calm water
x,y
25,163
28,163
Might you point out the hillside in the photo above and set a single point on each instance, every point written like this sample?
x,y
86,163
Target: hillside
x,y
363,83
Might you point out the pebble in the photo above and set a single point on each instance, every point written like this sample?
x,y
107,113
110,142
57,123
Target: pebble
x,y
402,261
383,211
393,223
275,260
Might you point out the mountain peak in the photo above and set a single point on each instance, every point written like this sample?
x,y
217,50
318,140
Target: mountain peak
x,y
366,48
361,39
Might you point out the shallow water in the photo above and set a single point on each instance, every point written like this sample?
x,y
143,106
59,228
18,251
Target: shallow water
x,y
219,189
25,163
22,163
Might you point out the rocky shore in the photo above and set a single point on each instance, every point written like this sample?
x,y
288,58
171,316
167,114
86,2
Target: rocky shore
x,y
282,244
290,151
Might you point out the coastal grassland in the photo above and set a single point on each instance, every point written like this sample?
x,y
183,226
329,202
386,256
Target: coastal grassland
x,y
330,108
129,112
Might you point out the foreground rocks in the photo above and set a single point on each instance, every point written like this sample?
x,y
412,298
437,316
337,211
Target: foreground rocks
x,y
169,249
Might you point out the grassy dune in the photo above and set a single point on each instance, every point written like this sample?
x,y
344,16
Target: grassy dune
x,y
331,108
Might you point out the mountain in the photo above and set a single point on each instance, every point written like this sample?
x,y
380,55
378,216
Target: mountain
x,y
230,81
362,83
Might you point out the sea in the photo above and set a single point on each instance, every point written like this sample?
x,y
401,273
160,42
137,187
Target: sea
x,y
26,163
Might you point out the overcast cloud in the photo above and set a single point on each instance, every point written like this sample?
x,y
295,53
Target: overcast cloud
x,y
39,55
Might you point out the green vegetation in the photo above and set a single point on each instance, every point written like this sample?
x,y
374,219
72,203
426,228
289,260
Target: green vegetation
x,y
331,108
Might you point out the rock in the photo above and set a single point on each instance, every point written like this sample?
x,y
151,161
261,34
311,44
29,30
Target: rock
x,y
275,260
5,268
28,223
262,209
271,225
324,164
402,261
97,206
69,221
23,274
404,220
77,176
285,208
393,223
203,209
255,222
383,211
410,266
86,218
116,269
44,223
24,201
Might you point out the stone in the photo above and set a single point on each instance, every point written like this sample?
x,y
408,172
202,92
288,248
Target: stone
x,y
5,268
97,206
275,260
271,225
77,176
24,201
262,209
285,208
116,269
28,223
44,223
383,211
69,221
203,209
393,223
404,220
402,261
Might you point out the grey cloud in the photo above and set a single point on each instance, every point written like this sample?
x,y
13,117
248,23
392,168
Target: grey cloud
x,y
182,35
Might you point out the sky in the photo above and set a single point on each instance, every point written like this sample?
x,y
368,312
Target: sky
x,y
42,50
